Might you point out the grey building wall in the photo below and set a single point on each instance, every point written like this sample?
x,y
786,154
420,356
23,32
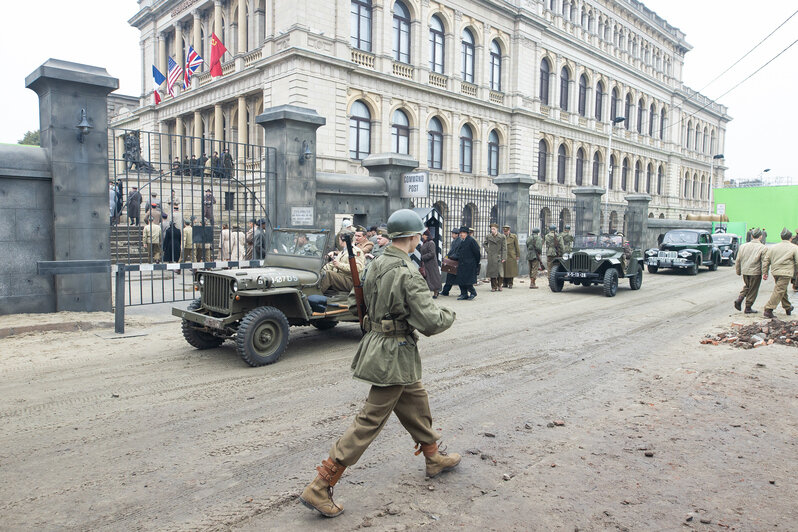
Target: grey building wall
x,y
26,230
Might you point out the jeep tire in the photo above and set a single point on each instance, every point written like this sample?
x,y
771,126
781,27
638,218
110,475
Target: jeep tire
x,y
324,325
610,282
636,281
652,268
554,283
262,336
197,338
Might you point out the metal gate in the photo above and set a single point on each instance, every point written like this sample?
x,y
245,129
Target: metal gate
x,y
216,188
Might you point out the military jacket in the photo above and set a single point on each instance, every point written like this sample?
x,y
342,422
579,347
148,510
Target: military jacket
x,y
496,251
188,233
567,242
552,243
151,234
394,290
781,259
534,247
749,258
513,253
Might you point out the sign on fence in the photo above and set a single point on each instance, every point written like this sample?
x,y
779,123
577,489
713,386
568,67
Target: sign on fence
x,y
415,185
301,216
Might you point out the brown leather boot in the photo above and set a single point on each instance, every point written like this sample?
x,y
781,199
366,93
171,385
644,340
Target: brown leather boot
x,y
789,310
437,461
738,303
318,494
768,313
749,310
533,282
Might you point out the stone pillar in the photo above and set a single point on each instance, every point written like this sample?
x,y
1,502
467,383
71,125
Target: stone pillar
x,y
217,19
179,51
242,121
390,167
242,28
588,210
513,209
81,215
286,128
162,62
637,219
218,129
196,35
197,133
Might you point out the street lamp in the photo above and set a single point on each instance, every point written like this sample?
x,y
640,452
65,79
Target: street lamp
x,y
615,121
711,177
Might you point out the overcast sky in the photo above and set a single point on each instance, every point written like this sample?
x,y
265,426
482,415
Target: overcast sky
x,y
96,32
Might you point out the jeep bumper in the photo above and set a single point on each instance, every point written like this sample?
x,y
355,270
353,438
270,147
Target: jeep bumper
x,y
202,320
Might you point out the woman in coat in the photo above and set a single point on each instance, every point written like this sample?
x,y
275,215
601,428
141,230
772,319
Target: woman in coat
x,y
429,258
468,264
171,244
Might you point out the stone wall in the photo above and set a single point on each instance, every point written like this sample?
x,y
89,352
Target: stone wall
x,y
26,230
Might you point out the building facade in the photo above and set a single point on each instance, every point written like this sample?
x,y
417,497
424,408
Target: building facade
x,y
471,89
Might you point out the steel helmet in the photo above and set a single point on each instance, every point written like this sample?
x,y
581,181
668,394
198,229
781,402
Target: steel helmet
x,y
552,227
404,222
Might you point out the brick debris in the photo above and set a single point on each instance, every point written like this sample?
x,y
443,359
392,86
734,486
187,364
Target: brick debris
x,y
767,332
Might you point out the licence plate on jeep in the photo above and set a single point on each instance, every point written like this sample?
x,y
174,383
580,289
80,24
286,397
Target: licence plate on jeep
x,y
575,274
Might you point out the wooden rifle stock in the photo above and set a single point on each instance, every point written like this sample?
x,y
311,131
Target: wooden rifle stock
x,y
357,287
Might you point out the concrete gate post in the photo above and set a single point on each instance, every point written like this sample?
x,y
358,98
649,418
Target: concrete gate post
x,y
72,94
390,167
292,131
514,192
588,210
637,219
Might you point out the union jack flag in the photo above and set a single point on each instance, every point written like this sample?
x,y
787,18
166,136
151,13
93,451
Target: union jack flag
x,y
171,78
193,62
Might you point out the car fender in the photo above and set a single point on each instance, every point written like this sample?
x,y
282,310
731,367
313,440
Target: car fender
x,y
289,300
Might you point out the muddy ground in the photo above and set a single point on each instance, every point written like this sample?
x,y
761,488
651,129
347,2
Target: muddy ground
x,y
658,431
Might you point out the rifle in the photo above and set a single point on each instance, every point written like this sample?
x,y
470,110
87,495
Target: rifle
x,y
356,286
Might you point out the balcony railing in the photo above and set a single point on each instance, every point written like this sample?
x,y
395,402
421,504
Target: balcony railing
x,y
253,57
497,97
362,58
437,80
469,89
403,70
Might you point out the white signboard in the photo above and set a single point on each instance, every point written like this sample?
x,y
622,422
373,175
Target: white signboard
x,y
415,185
302,216
721,208
522,238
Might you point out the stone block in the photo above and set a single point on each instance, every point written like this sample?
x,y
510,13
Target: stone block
x,y
33,224
27,305
74,283
26,285
85,244
17,193
80,211
21,257
8,225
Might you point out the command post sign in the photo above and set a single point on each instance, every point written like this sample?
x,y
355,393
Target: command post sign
x,y
415,185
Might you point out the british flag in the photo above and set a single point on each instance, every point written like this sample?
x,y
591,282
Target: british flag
x,y
171,78
193,62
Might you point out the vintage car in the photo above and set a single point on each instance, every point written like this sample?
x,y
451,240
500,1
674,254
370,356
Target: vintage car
x,y
729,245
254,307
684,249
598,260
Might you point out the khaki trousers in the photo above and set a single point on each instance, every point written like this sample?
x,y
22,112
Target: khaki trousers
x,y
750,289
410,404
779,293
342,282
549,262
155,253
534,268
188,255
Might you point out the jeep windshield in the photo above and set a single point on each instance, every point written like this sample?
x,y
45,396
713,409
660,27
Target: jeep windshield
x,y
598,241
299,243
680,237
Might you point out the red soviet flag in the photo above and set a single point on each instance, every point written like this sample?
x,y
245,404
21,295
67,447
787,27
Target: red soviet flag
x,y
217,51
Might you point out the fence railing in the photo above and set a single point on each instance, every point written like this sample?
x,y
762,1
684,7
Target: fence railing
x,y
545,211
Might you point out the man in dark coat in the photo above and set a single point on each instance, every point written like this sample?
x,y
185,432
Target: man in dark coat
x,y
468,258
227,164
134,201
259,242
451,277
171,243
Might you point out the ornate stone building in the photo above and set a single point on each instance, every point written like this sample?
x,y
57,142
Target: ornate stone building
x,y
472,89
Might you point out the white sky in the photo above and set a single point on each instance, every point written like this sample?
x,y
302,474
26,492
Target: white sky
x,y
96,32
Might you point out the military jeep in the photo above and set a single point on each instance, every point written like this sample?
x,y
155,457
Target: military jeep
x,y
254,307
598,260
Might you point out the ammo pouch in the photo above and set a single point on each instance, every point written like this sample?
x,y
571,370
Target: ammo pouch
x,y
388,327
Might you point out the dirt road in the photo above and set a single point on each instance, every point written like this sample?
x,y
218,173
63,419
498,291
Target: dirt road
x,y
146,433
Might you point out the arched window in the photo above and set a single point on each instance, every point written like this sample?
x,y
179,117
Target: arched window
x,y
640,114
689,134
712,146
614,104
582,105
686,184
466,148
596,168
495,66
637,176
662,124
468,215
400,132
545,71
543,155
652,116
704,141
360,30
565,79
613,168
628,109
599,101
435,144
493,153
697,137
561,164
359,131
401,33
625,174
695,186
580,166
649,174
436,45
467,51
659,180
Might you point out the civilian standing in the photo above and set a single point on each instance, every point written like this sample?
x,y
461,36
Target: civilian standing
x,y
429,258
468,264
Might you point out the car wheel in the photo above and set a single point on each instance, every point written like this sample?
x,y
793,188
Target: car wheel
x,y
611,282
554,283
323,325
636,281
693,270
652,268
714,266
262,336
195,338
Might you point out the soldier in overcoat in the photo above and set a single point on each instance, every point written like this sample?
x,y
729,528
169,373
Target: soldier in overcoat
x,y
398,306
553,246
534,254
134,201
496,251
567,240
513,253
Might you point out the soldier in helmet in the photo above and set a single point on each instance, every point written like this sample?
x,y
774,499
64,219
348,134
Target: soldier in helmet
x,y
567,240
398,304
553,246
534,254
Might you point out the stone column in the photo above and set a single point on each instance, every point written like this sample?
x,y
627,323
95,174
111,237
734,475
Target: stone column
x,y
287,128
79,170
513,209
179,50
390,167
196,35
162,62
242,27
637,219
217,19
588,210
197,133
242,120
218,129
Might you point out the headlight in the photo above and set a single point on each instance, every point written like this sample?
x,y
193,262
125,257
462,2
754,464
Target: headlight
x,y
201,280
651,252
597,257
566,256
684,253
235,286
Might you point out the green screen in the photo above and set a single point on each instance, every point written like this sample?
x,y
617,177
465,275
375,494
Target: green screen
x,y
771,208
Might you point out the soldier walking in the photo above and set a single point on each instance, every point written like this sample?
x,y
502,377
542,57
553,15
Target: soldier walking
x,y
749,265
398,304
151,237
782,260
534,253
513,253
553,247
567,240
496,251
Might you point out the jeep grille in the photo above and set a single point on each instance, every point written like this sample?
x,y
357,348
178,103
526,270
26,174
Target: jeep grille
x,y
216,293
580,262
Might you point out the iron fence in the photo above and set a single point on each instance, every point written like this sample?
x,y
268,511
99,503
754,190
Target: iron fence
x,y
545,211
614,217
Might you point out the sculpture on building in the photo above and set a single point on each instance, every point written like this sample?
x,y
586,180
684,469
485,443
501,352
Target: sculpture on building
x,y
132,155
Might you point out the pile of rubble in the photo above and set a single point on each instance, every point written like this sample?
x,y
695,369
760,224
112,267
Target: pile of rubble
x,y
757,334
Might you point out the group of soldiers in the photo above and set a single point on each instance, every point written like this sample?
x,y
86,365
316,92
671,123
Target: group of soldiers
x,y
755,262
556,246
367,245
213,166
